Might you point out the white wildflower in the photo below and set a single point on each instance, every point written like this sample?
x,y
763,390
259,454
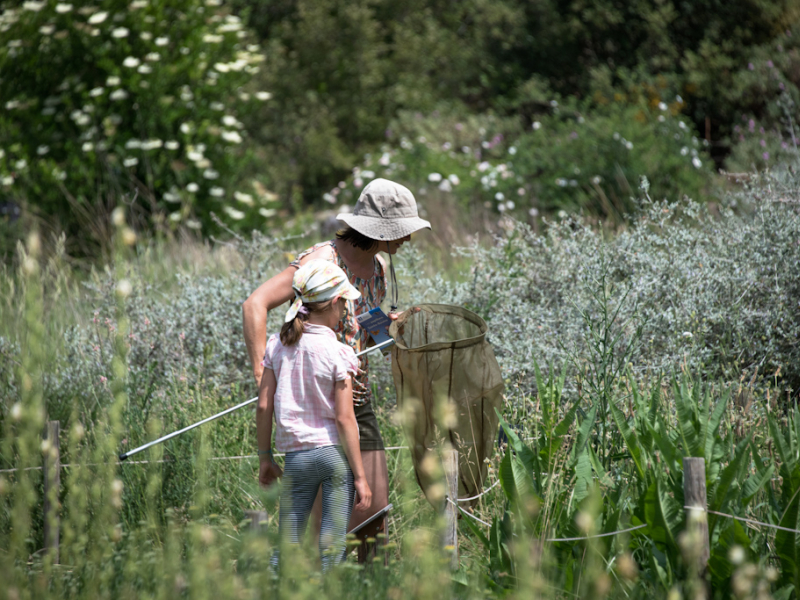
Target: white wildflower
x,y
216,106
176,216
42,150
171,145
454,179
193,224
328,197
269,212
596,179
662,106
146,36
210,174
63,7
15,44
446,186
21,164
512,150
697,162
7,180
687,335
434,177
510,205
629,145
263,96
120,32
499,196
536,125
232,136
133,144
211,38
12,104
385,159
534,212
234,214
243,198
95,92
171,196
124,289
152,57
98,18
230,121
162,41
681,124
187,128
194,155
483,166
145,69
47,29
137,4
152,144
192,187
33,6
131,62
130,162
112,81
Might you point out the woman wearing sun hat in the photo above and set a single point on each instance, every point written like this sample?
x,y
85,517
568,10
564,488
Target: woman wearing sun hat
x,y
382,220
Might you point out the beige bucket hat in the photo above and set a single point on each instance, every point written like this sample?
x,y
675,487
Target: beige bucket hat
x,y
385,211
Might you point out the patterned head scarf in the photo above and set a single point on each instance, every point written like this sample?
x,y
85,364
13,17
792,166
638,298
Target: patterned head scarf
x,y
316,281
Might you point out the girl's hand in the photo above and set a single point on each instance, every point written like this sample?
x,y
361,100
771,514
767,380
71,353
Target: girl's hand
x,y
268,472
363,494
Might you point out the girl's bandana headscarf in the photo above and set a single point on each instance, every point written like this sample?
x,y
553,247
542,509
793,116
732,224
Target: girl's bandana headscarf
x,y
316,281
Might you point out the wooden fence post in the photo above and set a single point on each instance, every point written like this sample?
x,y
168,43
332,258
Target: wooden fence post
x,y
450,464
257,517
52,488
694,492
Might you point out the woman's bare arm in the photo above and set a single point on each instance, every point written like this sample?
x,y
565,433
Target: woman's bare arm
x,y
269,296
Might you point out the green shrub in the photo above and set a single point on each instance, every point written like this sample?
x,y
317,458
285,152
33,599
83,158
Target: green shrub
x,y
584,158
711,288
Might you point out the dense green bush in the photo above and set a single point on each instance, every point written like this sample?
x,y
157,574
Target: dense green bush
x,y
137,102
576,158
711,288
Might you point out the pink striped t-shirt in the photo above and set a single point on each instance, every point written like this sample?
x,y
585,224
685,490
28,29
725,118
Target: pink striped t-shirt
x,y
304,398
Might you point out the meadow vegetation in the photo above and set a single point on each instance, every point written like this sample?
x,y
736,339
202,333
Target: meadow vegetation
x,y
622,354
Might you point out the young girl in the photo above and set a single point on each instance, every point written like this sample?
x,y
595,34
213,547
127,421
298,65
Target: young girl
x,y
307,385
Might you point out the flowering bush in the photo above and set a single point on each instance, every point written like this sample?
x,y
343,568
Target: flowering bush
x,y
117,98
575,160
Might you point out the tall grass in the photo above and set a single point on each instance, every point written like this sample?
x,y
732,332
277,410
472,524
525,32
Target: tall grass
x,y
593,444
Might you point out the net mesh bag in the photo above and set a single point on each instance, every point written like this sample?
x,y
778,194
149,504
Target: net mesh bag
x,y
448,386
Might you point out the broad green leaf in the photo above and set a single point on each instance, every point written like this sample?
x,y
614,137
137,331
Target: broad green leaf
x,y
631,438
686,409
711,429
787,544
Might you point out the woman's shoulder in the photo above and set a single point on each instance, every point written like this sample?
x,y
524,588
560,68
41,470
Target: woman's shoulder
x,y
323,251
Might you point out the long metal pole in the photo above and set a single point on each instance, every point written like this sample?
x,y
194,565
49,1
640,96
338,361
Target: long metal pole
x,y
169,436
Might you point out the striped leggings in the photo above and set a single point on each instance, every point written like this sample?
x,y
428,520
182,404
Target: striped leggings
x,y
303,473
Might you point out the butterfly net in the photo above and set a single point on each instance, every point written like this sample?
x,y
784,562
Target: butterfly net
x,y
448,386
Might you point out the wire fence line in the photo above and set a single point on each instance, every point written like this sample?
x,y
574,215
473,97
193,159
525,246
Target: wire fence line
x,y
746,520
